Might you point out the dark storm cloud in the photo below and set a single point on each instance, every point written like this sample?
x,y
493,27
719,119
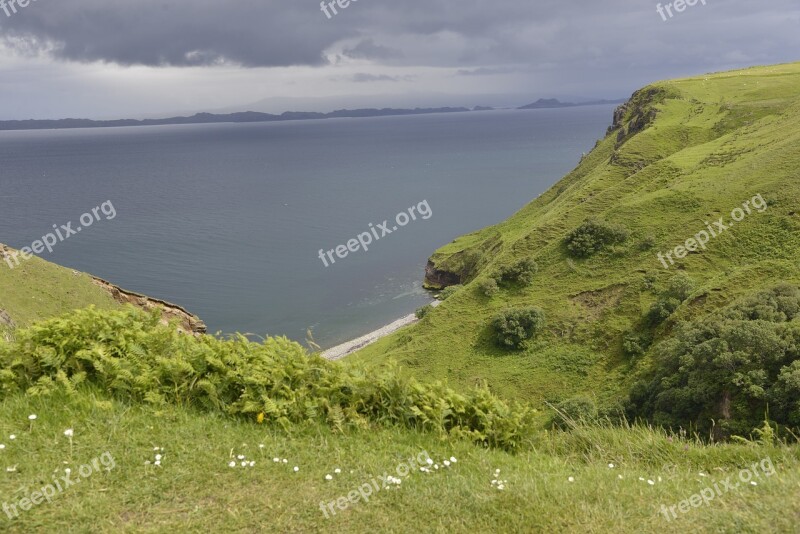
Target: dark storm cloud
x,y
456,33
367,49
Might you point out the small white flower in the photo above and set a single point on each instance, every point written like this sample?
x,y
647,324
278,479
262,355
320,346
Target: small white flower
x,y
11,469
611,466
337,470
328,477
659,479
642,479
501,487
244,464
703,474
252,463
753,483
447,463
158,457
157,462
494,482
32,417
285,461
240,457
651,482
2,446
261,446
12,437
232,464
68,470
571,479
619,477
276,460
436,466
429,461
296,469
68,432
453,459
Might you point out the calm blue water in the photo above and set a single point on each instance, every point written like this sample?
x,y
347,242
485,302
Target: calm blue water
x,y
227,220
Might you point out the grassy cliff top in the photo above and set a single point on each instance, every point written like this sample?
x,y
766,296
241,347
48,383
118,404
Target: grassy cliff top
x,y
680,154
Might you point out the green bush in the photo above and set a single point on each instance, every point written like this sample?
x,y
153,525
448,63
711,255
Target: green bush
x,y
635,344
449,291
423,311
661,310
594,236
130,355
726,371
580,409
515,328
521,272
678,289
489,287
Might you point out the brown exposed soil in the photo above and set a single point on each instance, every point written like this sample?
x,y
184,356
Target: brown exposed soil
x,y
169,312
600,299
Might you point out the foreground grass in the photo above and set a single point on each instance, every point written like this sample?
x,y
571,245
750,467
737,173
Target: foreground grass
x,y
194,489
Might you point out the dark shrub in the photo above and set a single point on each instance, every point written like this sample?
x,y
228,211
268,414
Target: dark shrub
x,y
449,291
423,311
593,236
489,287
521,272
514,328
635,344
727,370
661,310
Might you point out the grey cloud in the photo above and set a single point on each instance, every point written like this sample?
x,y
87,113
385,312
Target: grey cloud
x,y
462,33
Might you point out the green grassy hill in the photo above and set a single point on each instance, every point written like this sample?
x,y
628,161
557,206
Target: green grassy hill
x,y
680,154
37,289
158,430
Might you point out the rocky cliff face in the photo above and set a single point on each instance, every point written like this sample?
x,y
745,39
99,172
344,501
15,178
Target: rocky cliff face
x,y
439,279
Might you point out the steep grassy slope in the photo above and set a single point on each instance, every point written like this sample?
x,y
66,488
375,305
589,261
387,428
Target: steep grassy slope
x,y
37,289
680,154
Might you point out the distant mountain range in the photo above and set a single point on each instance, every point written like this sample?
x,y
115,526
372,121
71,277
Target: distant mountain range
x,y
549,103
254,116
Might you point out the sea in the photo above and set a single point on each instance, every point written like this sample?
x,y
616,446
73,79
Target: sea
x,y
228,220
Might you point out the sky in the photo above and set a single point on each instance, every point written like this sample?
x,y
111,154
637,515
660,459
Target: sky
x,y
151,58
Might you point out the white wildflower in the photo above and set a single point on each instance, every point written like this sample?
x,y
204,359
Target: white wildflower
x,y
232,464
68,432
328,477
296,469
571,479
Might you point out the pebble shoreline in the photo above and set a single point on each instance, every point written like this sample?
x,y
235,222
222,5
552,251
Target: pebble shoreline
x,y
345,349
